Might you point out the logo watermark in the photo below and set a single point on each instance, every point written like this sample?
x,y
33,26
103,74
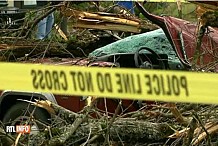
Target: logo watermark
x,y
24,129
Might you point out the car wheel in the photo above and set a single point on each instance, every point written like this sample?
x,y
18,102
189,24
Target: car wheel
x,y
23,113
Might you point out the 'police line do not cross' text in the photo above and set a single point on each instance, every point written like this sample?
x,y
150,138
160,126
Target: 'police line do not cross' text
x,y
110,83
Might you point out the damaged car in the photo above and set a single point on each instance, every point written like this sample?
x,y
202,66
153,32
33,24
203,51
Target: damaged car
x,y
172,47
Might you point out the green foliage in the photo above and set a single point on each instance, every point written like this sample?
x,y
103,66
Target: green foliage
x,y
171,9
30,16
72,38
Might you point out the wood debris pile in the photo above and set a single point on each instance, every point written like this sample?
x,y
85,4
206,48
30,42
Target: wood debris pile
x,y
161,124
19,44
106,21
152,124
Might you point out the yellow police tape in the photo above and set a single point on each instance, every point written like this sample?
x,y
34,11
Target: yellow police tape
x,y
140,84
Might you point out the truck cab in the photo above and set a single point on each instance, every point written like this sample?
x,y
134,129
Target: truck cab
x,y
15,111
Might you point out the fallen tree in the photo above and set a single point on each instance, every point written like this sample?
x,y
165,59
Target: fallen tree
x,y
80,128
156,126
83,129
106,21
81,45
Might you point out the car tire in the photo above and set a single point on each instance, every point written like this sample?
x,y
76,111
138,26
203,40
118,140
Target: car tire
x,y
20,112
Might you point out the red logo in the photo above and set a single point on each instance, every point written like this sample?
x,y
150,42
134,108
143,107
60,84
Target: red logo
x,y
23,129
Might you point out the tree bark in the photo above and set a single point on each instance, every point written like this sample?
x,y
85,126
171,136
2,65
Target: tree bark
x,y
125,130
13,48
81,127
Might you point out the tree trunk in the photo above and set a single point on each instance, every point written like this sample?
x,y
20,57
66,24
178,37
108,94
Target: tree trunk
x,y
81,128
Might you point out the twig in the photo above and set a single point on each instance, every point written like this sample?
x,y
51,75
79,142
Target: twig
x,y
90,131
200,33
205,130
72,128
111,122
107,133
114,35
177,114
17,139
193,125
93,138
211,130
119,138
179,8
